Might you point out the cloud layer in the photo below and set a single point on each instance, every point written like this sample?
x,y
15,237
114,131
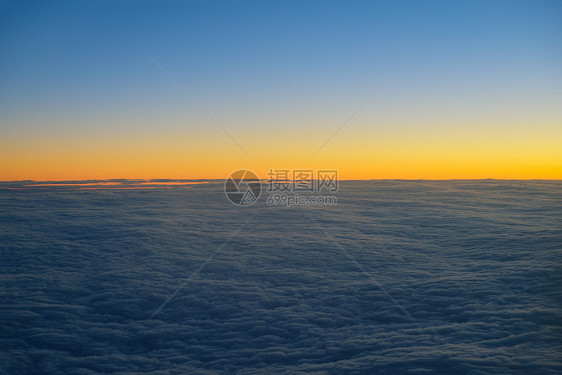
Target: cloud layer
x,y
476,265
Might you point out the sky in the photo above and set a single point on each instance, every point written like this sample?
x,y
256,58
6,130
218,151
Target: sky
x,y
198,89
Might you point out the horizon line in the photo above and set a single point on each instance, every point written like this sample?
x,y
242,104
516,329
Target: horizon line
x,y
156,180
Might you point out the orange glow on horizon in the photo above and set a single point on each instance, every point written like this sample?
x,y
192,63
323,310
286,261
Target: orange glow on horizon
x,y
356,154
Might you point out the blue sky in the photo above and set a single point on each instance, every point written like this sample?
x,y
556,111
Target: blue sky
x,y
82,67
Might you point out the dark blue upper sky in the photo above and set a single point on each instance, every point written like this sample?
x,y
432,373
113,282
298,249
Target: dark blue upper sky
x,y
76,50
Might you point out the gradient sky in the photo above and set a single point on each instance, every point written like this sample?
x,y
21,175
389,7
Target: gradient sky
x,y
81,96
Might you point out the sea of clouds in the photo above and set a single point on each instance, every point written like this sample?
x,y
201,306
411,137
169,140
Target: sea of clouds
x,y
401,277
